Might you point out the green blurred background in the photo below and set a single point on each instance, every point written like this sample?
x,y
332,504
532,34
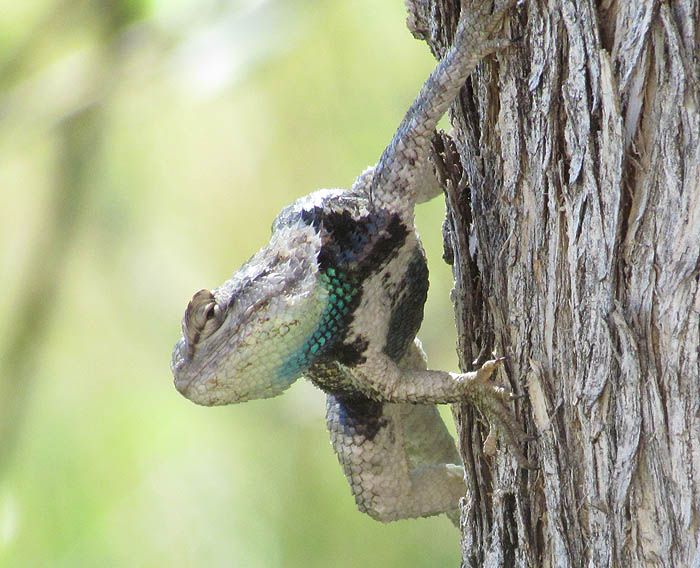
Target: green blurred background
x,y
145,147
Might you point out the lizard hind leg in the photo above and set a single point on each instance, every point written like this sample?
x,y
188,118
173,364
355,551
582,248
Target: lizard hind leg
x,y
399,459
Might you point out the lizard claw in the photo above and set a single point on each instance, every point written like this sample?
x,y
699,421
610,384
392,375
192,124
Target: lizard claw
x,y
490,399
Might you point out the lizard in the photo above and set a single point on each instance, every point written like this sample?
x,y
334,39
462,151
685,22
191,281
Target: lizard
x,y
337,296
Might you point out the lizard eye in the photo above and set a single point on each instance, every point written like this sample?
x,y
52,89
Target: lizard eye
x,y
203,317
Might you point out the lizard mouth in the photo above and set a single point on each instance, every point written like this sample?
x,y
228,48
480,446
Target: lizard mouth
x,y
183,386
188,383
193,391
183,382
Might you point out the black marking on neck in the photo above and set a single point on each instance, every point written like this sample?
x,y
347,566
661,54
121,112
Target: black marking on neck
x,y
357,248
360,246
357,245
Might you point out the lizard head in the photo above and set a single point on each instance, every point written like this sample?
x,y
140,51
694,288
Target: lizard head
x,y
239,341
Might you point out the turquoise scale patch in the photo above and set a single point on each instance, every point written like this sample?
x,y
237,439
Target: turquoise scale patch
x,y
341,291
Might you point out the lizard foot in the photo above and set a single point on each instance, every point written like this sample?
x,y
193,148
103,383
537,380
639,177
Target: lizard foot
x,y
478,19
491,399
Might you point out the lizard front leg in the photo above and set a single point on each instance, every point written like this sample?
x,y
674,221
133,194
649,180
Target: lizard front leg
x,y
381,378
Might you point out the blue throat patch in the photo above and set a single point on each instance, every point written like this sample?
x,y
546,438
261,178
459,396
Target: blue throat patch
x,y
341,292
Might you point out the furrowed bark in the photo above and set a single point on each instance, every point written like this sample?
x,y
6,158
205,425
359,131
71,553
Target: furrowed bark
x,y
581,147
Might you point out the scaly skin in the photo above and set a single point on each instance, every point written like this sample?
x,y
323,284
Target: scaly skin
x,y
337,296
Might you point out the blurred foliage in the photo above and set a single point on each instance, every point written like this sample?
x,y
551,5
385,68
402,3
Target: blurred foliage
x,y
145,147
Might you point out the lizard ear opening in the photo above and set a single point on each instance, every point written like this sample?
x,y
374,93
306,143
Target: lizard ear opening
x,y
203,317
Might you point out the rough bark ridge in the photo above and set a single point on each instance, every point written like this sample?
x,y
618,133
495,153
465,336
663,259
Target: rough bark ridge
x,y
581,147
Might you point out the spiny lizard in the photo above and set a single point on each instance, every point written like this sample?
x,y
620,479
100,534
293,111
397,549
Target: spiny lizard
x,y
337,296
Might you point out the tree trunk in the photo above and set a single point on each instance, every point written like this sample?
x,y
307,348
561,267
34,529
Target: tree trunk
x,y
581,147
